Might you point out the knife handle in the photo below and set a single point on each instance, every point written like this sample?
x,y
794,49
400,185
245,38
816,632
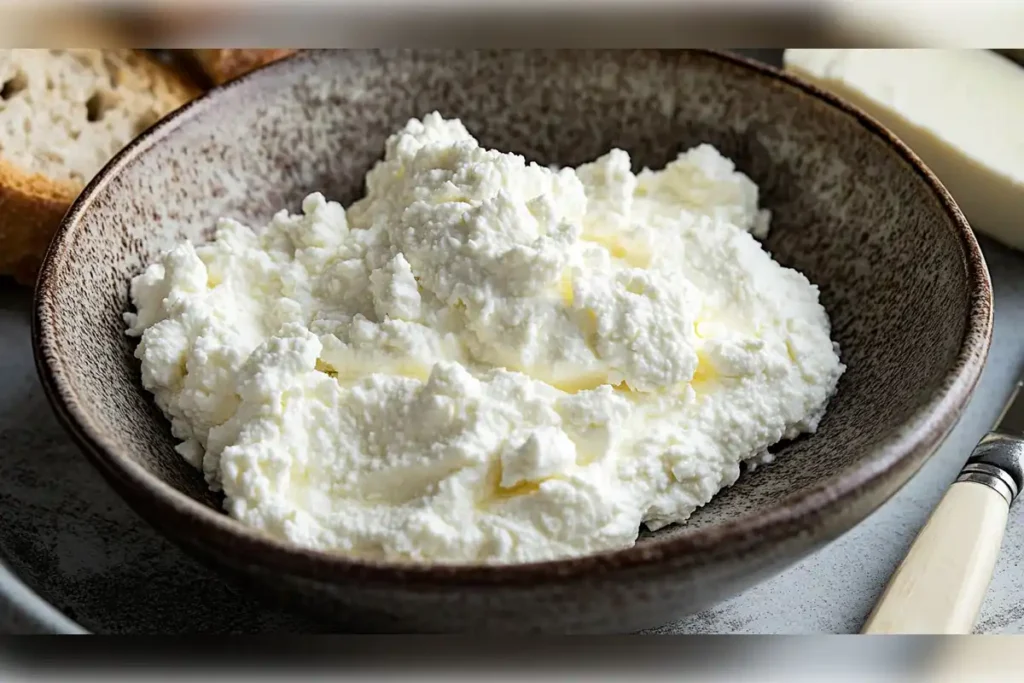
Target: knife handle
x,y
941,583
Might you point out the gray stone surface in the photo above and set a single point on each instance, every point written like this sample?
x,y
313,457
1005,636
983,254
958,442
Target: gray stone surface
x,y
76,546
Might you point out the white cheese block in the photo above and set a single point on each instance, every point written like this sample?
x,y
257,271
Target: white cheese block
x,y
961,111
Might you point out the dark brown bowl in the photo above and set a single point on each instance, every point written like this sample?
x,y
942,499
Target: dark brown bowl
x,y
901,276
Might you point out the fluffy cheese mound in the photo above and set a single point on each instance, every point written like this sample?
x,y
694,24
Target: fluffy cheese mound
x,y
485,360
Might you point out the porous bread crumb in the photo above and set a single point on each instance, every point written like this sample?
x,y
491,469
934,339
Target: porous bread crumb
x,y
63,114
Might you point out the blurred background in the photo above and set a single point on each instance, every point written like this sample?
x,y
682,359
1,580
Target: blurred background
x,y
522,23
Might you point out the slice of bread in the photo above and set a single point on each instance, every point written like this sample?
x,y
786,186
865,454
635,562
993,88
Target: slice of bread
x,y
222,65
63,115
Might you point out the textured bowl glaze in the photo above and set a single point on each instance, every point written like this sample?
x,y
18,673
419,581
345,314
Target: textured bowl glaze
x,y
900,273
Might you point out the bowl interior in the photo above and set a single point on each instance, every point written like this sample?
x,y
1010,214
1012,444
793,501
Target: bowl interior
x,y
849,213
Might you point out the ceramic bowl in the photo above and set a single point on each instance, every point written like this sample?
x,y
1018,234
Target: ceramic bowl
x,y
900,274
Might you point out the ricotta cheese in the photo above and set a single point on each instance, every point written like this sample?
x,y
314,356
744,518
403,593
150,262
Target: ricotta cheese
x,y
485,360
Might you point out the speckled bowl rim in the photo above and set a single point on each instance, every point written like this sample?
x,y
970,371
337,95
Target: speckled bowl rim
x,y
165,506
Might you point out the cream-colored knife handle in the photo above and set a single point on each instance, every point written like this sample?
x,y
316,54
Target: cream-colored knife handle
x,y
940,585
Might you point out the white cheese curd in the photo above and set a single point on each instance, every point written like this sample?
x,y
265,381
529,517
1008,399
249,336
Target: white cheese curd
x,y
485,360
959,110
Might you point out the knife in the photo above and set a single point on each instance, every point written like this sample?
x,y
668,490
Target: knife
x,y
940,585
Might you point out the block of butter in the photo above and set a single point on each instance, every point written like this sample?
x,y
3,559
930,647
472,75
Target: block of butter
x,y
961,111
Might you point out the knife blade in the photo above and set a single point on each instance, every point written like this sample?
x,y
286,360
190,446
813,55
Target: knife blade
x,y
1011,420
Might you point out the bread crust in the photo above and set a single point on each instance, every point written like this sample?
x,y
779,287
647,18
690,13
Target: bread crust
x,y
225,64
31,208
32,204
175,85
